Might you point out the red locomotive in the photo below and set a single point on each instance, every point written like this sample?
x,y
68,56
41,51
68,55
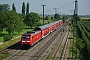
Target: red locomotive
x,y
30,38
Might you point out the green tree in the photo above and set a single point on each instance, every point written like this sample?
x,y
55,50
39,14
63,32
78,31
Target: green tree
x,y
1,26
52,17
13,7
32,19
4,7
56,16
11,21
23,8
75,18
46,18
27,8
89,19
63,19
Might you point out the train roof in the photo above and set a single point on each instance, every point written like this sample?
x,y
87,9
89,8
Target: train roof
x,y
45,26
31,32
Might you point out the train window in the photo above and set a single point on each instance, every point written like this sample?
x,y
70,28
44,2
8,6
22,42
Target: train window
x,y
26,36
37,29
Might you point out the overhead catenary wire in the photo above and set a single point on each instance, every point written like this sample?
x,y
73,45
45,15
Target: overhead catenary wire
x,y
66,5
59,7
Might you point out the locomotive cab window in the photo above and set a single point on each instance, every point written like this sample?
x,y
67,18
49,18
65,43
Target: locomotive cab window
x,y
37,29
26,36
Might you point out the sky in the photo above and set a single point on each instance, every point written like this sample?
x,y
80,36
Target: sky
x,y
64,6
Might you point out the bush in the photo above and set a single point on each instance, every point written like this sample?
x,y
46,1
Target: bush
x,y
7,37
39,24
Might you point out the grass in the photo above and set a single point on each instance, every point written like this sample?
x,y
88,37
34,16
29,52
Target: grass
x,y
3,56
3,33
9,43
1,39
48,57
46,21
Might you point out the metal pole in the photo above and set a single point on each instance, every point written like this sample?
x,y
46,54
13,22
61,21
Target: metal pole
x,y
43,13
76,13
55,10
76,6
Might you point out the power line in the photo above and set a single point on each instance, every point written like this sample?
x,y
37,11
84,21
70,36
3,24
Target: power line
x,y
55,10
59,7
66,5
48,10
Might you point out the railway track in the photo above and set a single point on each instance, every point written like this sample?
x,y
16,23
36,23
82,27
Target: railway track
x,y
56,48
16,50
5,51
64,47
65,53
59,51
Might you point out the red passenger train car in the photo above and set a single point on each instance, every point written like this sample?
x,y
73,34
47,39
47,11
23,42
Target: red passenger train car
x,y
30,38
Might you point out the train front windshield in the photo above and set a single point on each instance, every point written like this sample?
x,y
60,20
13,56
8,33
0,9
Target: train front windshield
x,y
26,38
